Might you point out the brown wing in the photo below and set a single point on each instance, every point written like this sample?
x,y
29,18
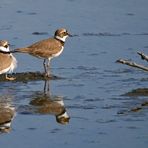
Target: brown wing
x,y
5,61
44,48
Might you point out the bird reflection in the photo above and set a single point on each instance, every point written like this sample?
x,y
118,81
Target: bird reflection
x,y
45,103
7,113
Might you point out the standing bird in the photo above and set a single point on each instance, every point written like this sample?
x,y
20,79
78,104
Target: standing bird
x,y
7,61
47,48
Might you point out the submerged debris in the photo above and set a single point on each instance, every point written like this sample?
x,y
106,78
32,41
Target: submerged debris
x,y
28,76
138,92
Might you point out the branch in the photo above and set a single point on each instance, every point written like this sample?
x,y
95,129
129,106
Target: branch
x,y
132,64
143,56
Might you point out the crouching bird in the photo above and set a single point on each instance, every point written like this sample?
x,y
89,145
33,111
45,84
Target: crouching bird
x,y
7,61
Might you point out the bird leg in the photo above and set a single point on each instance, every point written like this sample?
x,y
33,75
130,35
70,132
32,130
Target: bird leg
x,y
46,88
48,68
10,78
45,67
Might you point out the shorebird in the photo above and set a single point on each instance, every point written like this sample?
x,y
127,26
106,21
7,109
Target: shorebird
x,y
7,61
7,114
47,48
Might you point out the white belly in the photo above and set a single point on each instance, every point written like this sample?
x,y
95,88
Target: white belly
x,y
57,54
11,67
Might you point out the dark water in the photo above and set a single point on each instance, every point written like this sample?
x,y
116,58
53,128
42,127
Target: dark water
x,y
94,90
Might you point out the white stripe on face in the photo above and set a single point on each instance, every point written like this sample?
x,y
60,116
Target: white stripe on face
x,y
4,49
63,38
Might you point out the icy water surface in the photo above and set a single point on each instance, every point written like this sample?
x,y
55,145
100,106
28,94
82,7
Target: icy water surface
x,y
103,102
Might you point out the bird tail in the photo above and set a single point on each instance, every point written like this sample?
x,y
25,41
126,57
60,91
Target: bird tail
x,y
21,50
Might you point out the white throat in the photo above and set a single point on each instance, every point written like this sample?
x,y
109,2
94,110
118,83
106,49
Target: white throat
x,y
4,49
60,102
62,39
65,115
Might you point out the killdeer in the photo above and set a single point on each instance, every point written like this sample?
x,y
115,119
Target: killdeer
x,y
7,61
47,48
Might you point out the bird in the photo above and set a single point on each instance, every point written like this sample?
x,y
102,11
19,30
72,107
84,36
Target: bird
x,y
7,61
7,114
47,48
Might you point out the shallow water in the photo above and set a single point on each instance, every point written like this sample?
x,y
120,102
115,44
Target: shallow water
x,y
93,89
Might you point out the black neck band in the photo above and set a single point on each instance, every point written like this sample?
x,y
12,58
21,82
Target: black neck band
x,y
62,42
5,52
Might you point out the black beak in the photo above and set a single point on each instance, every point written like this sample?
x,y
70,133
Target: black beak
x,y
69,34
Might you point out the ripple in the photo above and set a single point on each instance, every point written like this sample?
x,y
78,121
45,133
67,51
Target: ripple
x,y
144,33
94,100
133,127
110,106
32,13
40,33
101,34
130,14
79,97
133,119
32,128
85,107
82,118
105,121
87,68
19,11
109,34
56,130
6,27
119,71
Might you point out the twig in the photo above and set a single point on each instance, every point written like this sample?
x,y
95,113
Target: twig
x,y
132,64
143,56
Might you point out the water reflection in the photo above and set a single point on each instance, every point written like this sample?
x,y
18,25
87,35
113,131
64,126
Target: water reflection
x,y
42,102
7,114
136,101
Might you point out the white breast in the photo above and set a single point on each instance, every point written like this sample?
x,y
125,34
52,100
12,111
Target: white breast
x,y
11,67
13,64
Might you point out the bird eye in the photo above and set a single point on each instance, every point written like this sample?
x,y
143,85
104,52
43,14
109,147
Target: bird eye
x,y
65,33
6,46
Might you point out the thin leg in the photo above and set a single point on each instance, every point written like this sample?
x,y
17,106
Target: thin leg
x,y
45,68
48,68
46,88
45,85
10,78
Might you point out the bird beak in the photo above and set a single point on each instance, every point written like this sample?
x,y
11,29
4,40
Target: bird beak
x,y
69,34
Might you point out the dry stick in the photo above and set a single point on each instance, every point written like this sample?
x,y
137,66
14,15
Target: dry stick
x,y
143,56
132,64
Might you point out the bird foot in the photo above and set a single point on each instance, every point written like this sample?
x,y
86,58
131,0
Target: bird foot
x,y
47,75
10,78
